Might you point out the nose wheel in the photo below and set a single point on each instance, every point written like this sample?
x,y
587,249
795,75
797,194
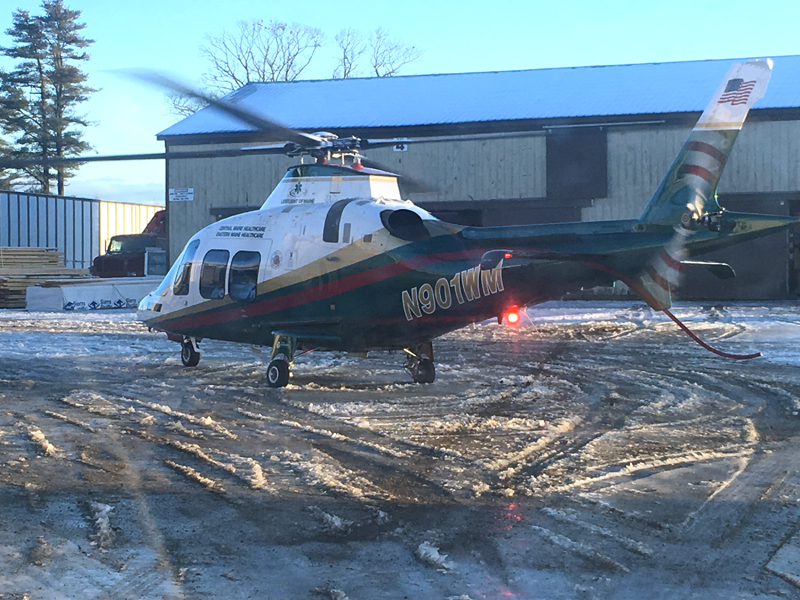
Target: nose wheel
x,y
190,353
420,363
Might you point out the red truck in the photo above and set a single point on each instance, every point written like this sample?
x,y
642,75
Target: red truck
x,y
125,255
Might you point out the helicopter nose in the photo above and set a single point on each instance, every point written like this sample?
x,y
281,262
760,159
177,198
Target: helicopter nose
x,y
148,308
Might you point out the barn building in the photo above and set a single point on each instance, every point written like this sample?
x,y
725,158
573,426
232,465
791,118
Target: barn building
x,y
586,143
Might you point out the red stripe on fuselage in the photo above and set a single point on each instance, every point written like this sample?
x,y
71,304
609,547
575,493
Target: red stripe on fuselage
x,y
319,292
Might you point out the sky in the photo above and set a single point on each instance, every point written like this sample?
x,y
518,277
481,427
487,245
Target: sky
x,y
455,37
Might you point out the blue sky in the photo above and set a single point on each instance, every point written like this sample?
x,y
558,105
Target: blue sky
x,y
455,36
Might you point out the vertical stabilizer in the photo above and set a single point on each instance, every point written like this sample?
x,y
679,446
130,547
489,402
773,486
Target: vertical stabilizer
x,y
691,182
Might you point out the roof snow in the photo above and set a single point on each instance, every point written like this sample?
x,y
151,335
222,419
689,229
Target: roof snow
x,y
637,89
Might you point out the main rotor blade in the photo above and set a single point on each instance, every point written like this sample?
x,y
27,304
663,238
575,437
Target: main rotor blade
x,y
272,129
385,142
54,161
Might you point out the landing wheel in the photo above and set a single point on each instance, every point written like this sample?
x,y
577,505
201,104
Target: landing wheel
x,y
425,371
189,355
278,373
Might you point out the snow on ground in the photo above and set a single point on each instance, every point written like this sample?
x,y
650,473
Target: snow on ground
x,y
593,452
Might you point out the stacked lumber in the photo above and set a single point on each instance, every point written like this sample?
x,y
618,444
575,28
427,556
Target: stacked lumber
x,y
24,267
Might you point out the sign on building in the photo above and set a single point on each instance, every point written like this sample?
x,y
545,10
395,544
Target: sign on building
x,y
181,194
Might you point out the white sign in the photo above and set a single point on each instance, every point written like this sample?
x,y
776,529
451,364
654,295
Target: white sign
x,y
181,194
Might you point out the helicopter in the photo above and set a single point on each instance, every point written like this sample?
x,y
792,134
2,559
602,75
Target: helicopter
x,y
335,258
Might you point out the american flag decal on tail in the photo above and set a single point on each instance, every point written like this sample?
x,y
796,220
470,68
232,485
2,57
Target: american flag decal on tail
x,y
736,92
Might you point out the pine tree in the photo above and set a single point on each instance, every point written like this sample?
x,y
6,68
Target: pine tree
x,y
39,96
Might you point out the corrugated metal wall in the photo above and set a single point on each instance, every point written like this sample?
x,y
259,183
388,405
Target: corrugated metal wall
x,y
40,221
117,218
78,227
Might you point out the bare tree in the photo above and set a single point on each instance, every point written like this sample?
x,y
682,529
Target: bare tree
x,y
386,55
389,55
182,105
352,45
259,52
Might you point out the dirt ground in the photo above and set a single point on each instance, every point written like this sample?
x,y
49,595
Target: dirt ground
x,y
593,452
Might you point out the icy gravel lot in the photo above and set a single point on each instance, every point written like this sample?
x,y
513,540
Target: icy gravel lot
x,y
594,452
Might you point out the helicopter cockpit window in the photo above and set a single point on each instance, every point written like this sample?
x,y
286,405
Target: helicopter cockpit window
x,y
212,276
243,275
181,286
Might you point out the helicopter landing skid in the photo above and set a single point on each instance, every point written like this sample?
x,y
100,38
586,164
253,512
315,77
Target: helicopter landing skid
x,y
420,363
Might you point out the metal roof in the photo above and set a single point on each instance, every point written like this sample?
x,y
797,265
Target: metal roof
x,y
599,91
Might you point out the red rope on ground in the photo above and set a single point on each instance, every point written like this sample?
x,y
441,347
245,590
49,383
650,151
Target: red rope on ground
x,y
656,304
692,335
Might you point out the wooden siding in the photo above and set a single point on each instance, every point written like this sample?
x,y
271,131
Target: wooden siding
x,y
463,171
765,159
242,181
473,170
637,160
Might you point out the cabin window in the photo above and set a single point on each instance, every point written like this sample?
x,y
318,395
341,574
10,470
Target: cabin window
x,y
243,276
212,277
181,286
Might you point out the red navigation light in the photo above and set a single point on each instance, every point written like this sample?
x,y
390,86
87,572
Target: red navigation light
x,y
507,255
512,316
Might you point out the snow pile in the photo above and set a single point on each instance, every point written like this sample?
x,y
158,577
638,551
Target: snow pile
x,y
206,421
179,427
330,592
70,420
505,463
206,482
332,523
41,554
429,555
38,438
625,542
103,536
581,549
91,402
243,467
320,468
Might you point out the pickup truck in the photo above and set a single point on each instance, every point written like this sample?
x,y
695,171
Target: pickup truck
x,y
125,255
